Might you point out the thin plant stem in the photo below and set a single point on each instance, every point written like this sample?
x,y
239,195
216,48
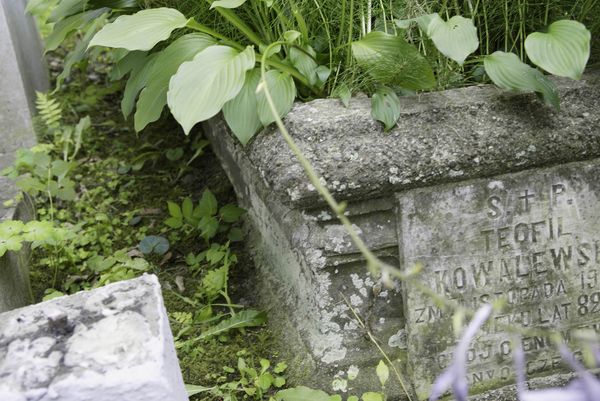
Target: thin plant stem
x,y
376,343
374,264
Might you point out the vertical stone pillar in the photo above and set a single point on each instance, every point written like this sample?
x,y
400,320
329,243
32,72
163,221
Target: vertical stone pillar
x,y
22,72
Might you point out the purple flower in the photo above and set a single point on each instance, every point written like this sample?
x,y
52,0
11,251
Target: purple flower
x,y
455,375
585,388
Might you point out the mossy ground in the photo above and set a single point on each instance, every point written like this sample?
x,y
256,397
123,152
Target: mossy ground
x,y
122,205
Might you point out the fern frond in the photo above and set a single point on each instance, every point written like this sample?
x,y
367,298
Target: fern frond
x,y
49,110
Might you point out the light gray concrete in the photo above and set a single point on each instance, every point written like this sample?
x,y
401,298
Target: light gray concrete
x,y
108,344
313,275
22,72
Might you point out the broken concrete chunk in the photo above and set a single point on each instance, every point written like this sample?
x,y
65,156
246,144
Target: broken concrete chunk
x,y
111,343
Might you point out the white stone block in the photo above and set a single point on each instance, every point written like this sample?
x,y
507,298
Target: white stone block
x,y
109,344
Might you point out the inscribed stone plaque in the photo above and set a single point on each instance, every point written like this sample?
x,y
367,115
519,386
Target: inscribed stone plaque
x,y
531,238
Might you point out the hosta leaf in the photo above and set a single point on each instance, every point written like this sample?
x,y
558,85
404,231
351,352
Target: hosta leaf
x,y
203,85
385,107
241,112
153,98
455,38
390,60
303,60
128,63
119,4
245,318
66,8
508,72
563,50
283,91
301,393
68,25
137,81
76,55
227,3
140,31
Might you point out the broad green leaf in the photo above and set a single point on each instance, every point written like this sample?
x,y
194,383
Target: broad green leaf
x,y
343,93
385,107
208,227
153,98
241,112
283,91
280,367
291,36
140,31
38,230
404,23
245,318
10,228
118,4
39,7
131,61
371,396
174,209
301,393
136,82
303,60
455,38
203,85
231,213
187,208
10,244
154,244
66,8
508,72
68,25
391,60
208,205
227,3
265,381
77,54
383,373
563,50
193,390
214,281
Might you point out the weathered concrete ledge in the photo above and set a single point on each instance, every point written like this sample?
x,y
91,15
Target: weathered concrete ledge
x,y
313,279
112,343
473,132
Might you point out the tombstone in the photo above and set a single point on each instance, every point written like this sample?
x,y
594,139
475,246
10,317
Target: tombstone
x,y
22,72
492,193
111,343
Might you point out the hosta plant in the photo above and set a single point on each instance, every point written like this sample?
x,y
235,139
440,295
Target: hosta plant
x,y
198,68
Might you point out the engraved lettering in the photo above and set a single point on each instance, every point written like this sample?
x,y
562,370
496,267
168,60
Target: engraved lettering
x,y
494,203
557,189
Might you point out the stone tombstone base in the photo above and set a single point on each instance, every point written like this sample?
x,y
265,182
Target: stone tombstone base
x,y
22,72
494,194
112,343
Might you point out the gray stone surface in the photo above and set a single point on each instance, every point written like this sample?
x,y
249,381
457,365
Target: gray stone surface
x,y
446,136
314,278
22,72
530,238
112,343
